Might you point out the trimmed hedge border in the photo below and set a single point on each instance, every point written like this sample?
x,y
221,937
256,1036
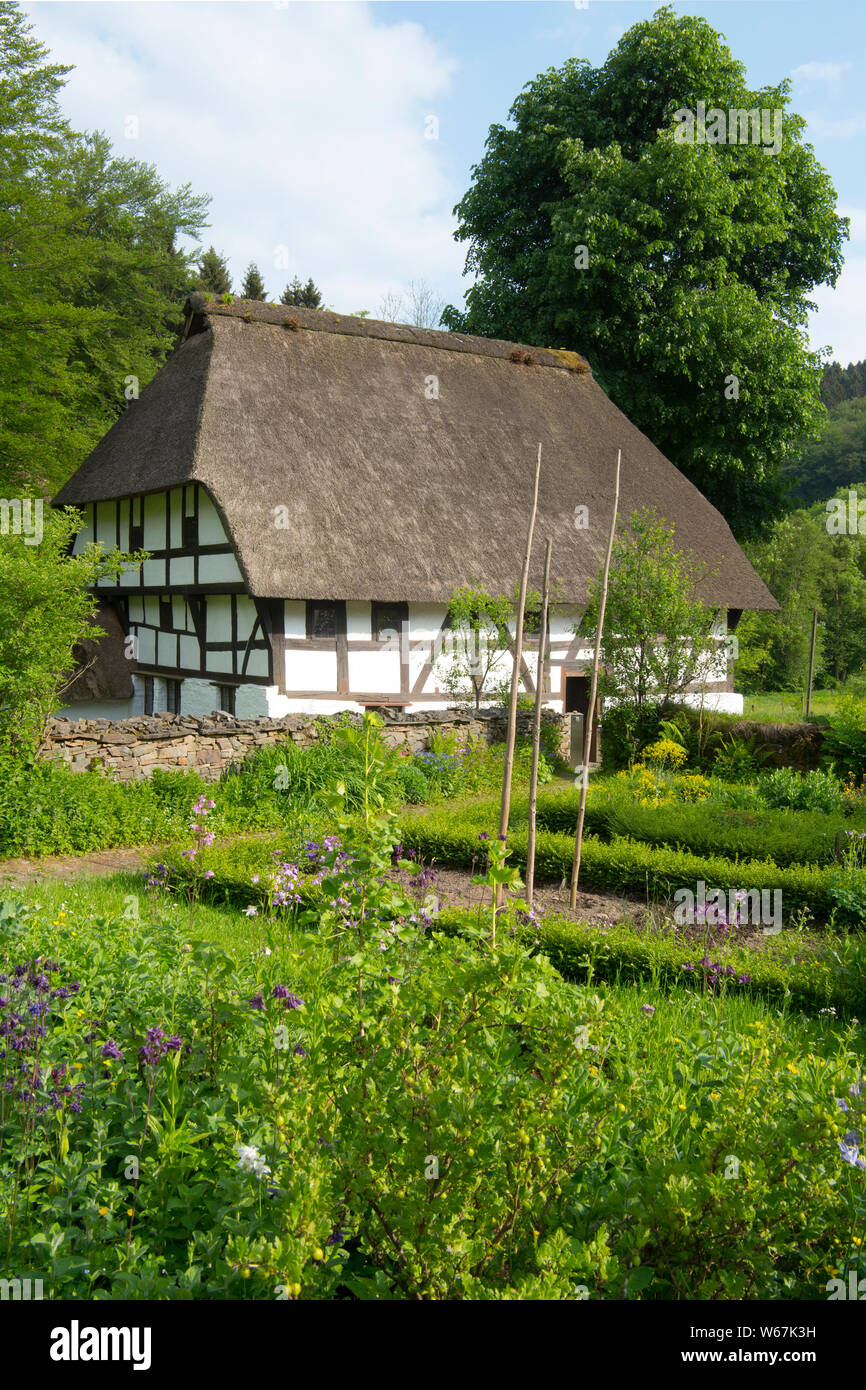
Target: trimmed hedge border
x,y
584,954
629,866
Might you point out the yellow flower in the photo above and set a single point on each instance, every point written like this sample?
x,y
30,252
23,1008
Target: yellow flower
x,y
103,1211
78,1065
130,1211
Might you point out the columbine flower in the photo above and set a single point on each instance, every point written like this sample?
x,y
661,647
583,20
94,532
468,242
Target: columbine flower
x,y
251,911
251,1161
849,1147
257,1002
648,1009
110,1049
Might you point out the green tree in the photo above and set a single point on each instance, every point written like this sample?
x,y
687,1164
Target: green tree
x,y
682,271
843,383
91,281
473,662
659,636
213,274
45,611
253,286
826,466
774,647
305,296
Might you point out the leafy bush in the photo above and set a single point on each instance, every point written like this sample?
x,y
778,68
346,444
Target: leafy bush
x,y
738,760
805,791
845,740
46,809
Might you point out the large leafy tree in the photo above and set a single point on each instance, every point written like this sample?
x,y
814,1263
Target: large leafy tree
x,y
46,606
690,299
659,637
91,278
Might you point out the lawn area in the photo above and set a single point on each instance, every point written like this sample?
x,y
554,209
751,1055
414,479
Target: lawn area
x,y
787,707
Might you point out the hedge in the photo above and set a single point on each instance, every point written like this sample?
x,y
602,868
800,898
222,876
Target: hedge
x,y
617,955
628,866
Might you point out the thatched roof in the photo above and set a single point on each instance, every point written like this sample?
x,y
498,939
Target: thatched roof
x,y
391,494
103,672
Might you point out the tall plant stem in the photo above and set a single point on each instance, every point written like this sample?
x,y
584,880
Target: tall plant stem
x,y
508,766
536,727
590,714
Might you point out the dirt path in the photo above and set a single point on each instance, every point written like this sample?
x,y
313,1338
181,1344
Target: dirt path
x,y
70,866
96,863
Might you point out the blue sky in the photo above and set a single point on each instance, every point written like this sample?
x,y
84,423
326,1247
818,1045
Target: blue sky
x,y
309,122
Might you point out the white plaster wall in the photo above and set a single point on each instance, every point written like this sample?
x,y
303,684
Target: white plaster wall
x,y
218,569
359,618
210,528
98,709
181,570
154,513
198,697
311,671
374,671
295,618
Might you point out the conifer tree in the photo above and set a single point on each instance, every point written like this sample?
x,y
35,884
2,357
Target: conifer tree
x,y
253,286
213,273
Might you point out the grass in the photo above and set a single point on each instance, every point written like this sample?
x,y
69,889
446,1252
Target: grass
x,y
789,707
124,896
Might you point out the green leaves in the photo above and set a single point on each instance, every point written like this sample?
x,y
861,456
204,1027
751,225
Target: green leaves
x,y
701,258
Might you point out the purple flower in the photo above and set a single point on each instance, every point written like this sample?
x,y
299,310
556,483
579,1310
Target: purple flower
x,y
110,1049
257,1002
849,1147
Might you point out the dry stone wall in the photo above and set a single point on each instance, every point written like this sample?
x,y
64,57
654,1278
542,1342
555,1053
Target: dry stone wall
x,y
136,747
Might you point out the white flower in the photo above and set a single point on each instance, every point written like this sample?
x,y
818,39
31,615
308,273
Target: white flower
x,y
251,1161
250,911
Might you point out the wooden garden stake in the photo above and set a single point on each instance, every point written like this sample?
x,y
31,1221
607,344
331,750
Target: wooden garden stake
x,y
515,682
811,660
590,714
536,729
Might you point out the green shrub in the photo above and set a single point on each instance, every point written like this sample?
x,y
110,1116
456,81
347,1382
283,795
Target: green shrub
x,y
844,748
802,791
47,809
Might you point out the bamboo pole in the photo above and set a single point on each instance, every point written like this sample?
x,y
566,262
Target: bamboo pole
x,y
511,732
536,728
811,660
590,714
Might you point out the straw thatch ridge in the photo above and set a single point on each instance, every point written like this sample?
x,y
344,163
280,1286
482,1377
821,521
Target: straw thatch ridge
x,y
405,457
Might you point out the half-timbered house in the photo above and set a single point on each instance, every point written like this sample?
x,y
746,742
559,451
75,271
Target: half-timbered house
x,y
311,489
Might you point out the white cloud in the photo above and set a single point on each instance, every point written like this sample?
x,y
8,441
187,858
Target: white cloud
x,y
808,73
820,127
305,123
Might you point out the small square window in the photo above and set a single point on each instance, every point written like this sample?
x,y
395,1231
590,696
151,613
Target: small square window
x,y
189,533
172,696
165,615
388,618
321,619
